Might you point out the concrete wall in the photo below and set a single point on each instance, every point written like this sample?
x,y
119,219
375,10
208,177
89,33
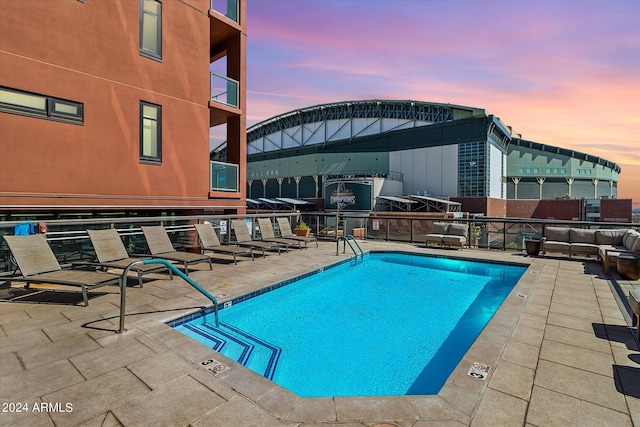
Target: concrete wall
x,y
497,169
433,170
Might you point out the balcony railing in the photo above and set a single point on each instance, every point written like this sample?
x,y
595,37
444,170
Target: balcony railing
x,y
225,90
228,8
70,241
224,176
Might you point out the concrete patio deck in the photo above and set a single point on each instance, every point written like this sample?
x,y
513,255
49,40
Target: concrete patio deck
x,y
561,354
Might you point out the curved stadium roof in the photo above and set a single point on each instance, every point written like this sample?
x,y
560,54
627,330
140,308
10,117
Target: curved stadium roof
x,y
402,110
302,126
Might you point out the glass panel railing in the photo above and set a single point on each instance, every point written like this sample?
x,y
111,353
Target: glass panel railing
x,y
228,8
70,242
225,90
224,176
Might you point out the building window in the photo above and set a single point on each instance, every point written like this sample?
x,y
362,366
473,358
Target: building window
x,y
563,170
536,170
151,29
555,170
548,170
577,171
45,107
588,171
150,133
521,170
472,180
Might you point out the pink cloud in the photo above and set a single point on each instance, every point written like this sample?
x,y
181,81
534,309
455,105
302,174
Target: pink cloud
x,y
557,73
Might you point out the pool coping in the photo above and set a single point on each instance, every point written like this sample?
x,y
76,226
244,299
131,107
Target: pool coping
x,y
457,400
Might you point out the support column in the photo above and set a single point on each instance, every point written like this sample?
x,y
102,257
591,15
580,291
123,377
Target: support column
x,y
250,182
516,180
595,187
611,189
570,182
297,180
264,187
315,178
280,186
540,181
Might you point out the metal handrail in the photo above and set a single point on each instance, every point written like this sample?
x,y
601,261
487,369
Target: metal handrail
x,y
347,240
123,289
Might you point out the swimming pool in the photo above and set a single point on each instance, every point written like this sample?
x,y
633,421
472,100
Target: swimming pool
x,y
395,324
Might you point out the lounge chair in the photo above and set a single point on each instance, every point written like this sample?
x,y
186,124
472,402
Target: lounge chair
x,y
210,242
285,231
161,247
111,253
266,231
244,239
38,264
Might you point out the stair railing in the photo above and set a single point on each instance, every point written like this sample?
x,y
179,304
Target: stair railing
x,y
123,288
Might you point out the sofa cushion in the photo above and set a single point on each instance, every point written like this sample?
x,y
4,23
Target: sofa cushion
x,y
610,237
555,246
451,239
579,235
636,245
557,234
625,239
631,240
584,248
439,228
457,230
433,238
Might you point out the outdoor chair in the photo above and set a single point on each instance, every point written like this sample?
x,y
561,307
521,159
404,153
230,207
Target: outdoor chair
x,y
285,231
243,238
267,234
210,242
160,246
38,264
111,253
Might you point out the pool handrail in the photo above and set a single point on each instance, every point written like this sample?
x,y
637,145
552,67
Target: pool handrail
x,y
347,240
123,289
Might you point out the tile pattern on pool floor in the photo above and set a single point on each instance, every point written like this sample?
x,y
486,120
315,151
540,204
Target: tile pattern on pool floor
x,y
563,355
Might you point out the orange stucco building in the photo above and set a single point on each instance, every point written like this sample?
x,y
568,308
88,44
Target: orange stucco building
x,y
106,105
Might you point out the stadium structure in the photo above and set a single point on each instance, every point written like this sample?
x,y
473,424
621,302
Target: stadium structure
x,y
391,151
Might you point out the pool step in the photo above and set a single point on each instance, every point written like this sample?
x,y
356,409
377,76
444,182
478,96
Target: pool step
x,y
252,352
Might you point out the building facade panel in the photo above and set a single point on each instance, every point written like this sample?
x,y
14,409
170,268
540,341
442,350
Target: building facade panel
x,y
91,53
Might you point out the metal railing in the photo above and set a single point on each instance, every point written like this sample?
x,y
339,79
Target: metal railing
x,y
70,242
189,280
347,240
225,90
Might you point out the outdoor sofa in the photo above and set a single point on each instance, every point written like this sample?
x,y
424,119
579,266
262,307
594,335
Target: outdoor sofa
x,y
630,243
606,244
446,234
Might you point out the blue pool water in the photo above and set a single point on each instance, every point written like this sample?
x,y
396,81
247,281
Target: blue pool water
x,y
395,324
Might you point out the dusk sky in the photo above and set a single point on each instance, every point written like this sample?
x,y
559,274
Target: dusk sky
x,y
560,72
